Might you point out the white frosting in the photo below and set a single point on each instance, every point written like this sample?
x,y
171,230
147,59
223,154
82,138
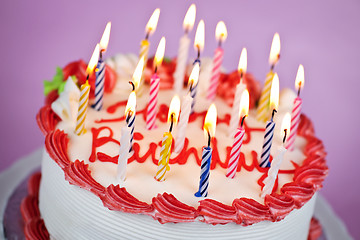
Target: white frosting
x,y
66,105
70,212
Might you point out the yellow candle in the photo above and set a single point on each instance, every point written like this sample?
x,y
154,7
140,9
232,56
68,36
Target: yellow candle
x,y
83,103
163,165
263,110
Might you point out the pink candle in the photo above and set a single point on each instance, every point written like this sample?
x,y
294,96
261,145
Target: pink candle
x,y
221,35
296,111
154,86
152,110
238,138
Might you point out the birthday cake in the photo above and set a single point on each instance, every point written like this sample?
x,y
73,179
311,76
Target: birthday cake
x,y
118,170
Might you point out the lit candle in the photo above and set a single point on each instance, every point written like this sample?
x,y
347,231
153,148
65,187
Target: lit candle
x,y
199,46
184,48
126,133
84,94
163,165
263,106
185,110
135,85
154,87
149,29
296,111
276,162
100,73
238,138
234,121
270,125
209,130
220,35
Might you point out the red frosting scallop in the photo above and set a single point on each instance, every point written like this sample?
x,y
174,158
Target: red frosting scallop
x,y
315,230
34,183
215,212
118,199
250,211
56,144
78,69
301,192
315,147
280,205
78,173
305,128
46,119
35,230
311,174
169,209
30,207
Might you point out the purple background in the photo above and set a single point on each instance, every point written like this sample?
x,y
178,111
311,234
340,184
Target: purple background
x,y
37,36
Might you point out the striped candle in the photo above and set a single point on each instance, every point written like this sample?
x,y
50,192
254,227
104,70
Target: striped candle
x,y
181,60
131,125
205,172
264,102
273,172
235,153
144,50
269,134
193,92
123,152
83,102
152,110
215,73
183,122
99,85
295,120
163,165
234,121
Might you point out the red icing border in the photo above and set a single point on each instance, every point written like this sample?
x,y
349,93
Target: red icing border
x,y
166,208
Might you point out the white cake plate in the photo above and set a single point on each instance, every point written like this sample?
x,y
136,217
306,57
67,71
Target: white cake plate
x,y
333,226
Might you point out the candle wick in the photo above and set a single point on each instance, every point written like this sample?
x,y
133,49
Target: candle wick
x,y
242,120
198,53
272,67
133,85
273,113
186,31
87,77
172,122
101,53
156,68
299,89
241,74
147,35
209,138
191,86
128,115
220,42
284,139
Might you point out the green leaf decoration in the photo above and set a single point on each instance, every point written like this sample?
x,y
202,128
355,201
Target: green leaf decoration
x,y
56,84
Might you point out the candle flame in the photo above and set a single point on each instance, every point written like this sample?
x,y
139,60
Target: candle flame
x,y
244,104
275,50
105,37
200,36
93,60
300,78
286,122
274,93
194,76
210,121
159,55
153,21
131,103
221,32
243,61
138,72
174,110
189,18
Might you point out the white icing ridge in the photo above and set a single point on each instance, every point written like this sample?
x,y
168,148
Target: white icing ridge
x,y
70,212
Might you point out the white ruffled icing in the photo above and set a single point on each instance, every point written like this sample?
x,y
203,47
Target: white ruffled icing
x,y
66,106
70,212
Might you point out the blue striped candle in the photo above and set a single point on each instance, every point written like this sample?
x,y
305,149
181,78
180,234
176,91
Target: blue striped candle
x,y
131,124
205,172
265,154
99,85
193,89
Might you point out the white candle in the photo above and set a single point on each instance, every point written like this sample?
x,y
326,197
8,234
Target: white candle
x,y
183,122
123,153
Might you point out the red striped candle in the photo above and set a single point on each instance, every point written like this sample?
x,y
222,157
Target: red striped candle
x,y
235,153
152,110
